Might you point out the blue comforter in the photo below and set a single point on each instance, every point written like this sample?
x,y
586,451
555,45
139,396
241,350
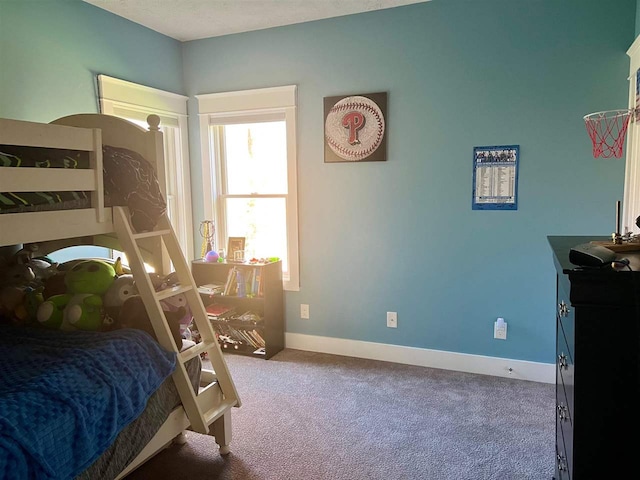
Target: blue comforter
x,y
65,396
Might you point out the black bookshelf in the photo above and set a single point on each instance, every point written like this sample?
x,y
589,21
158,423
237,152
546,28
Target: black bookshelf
x,y
264,298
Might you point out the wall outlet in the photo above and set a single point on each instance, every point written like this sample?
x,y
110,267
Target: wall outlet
x,y
500,329
392,319
304,311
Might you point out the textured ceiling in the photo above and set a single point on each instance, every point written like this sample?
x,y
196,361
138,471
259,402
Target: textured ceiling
x,y
193,19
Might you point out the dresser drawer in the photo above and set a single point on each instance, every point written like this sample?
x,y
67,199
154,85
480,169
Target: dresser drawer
x,y
565,372
562,469
564,431
563,410
566,316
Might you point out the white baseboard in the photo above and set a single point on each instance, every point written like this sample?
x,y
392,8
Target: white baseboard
x,y
423,357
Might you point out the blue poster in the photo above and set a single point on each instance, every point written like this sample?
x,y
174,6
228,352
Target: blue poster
x,y
495,177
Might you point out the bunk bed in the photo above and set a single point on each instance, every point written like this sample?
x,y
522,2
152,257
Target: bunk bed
x,y
101,205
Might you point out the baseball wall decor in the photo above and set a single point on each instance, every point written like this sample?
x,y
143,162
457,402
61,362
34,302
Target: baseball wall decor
x,y
355,129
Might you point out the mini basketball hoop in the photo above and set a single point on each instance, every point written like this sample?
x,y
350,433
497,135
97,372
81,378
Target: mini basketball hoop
x,y
607,131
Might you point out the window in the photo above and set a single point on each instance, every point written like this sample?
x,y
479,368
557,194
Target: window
x,y
249,151
135,103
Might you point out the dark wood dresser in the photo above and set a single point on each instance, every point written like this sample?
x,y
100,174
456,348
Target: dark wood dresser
x,y
597,374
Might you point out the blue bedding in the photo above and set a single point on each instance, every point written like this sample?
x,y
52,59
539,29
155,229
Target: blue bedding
x,y
65,396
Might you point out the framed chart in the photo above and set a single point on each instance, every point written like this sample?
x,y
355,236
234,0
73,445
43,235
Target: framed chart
x,y
495,177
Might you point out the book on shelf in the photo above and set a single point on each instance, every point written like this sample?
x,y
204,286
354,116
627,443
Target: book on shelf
x,y
257,283
218,311
211,288
231,283
243,282
249,317
229,334
256,337
249,338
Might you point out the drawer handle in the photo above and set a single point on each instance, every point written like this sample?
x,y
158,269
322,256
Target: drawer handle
x,y
563,309
562,361
562,463
563,412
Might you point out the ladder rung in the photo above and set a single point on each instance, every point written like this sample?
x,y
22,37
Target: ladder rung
x,y
170,292
216,412
207,377
154,233
196,350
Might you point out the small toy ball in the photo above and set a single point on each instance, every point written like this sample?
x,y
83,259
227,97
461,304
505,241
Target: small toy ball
x,y
211,256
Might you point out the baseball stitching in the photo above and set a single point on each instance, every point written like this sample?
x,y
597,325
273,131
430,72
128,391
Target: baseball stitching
x,y
379,130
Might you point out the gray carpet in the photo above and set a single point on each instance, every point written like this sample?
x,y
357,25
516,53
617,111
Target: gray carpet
x,y
316,416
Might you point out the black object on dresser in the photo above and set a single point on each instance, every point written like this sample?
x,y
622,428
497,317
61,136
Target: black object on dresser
x,y
264,337
597,374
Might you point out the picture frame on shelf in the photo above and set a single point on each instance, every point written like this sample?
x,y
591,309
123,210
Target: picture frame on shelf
x,y
235,249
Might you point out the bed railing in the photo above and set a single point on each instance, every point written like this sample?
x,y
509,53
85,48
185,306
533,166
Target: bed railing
x,y
31,179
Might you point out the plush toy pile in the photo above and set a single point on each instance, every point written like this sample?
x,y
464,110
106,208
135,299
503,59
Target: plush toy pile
x,y
22,280
88,294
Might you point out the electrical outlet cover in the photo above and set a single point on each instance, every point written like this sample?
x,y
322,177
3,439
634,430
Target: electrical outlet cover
x,y
500,332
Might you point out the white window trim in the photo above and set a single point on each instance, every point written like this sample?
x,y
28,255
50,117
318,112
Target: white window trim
x,y
229,105
631,200
119,96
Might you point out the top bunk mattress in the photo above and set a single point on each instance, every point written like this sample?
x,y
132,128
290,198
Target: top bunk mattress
x,y
129,180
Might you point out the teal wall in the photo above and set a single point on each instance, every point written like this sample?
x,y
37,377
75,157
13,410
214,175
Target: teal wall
x,y
51,51
401,235
398,235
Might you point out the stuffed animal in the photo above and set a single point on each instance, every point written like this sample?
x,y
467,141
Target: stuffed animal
x,y
176,303
80,308
133,314
14,279
15,274
27,311
21,278
42,267
122,288
54,285
118,267
11,298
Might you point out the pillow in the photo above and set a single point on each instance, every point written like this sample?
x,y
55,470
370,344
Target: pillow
x,y
131,181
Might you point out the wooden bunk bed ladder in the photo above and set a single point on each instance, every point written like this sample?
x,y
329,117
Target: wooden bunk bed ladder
x,y
205,407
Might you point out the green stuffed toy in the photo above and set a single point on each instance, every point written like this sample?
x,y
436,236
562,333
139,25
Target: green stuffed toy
x,y
81,307
27,311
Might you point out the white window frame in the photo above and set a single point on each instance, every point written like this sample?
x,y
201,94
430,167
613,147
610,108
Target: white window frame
x,y
631,200
132,101
258,104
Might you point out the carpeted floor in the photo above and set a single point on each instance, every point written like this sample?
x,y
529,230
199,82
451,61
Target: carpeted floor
x,y
315,416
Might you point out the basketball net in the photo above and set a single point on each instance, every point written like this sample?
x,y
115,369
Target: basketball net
x,y
607,131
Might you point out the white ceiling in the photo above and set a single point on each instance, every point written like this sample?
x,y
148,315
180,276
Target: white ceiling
x,y
193,19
